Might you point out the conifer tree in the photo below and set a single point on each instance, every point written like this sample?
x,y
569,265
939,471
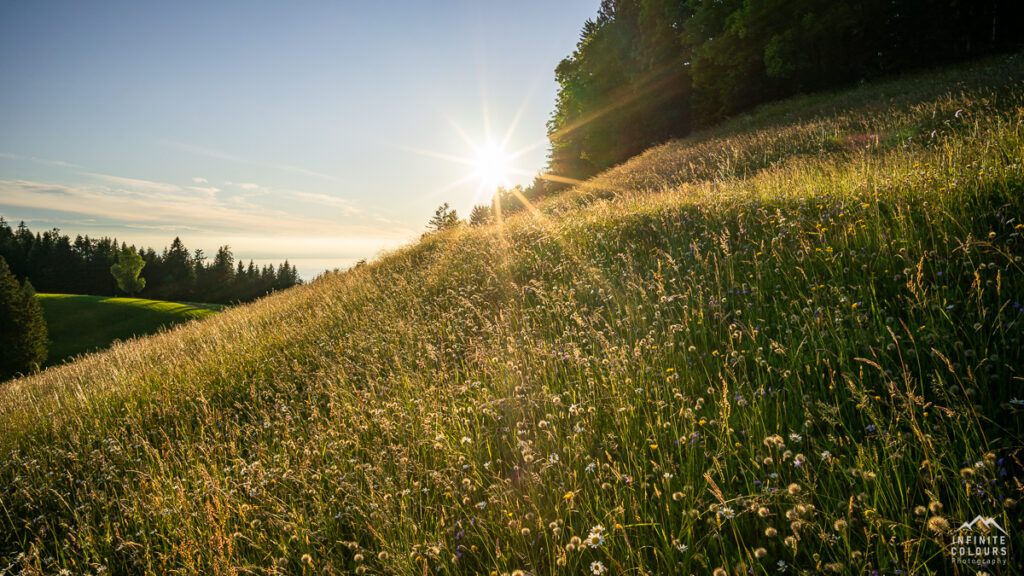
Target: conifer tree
x,y
23,339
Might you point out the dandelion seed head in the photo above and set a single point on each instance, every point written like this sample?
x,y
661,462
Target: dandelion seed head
x,y
938,524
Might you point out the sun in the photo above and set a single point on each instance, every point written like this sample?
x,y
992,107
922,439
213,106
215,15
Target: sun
x,y
492,165
489,163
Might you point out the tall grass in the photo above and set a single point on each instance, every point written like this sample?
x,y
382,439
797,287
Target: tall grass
x,y
794,357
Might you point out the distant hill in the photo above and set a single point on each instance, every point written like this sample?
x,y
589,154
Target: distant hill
x,y
79,324
787,345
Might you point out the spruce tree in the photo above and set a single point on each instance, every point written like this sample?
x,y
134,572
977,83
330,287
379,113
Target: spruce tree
x,y
22,328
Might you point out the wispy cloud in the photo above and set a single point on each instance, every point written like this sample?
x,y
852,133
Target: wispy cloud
x,y
135,183
220,155
326,200
208,190
200,180
58,163
153,204
161,227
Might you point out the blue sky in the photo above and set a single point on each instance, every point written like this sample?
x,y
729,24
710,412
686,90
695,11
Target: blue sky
x,y
321,132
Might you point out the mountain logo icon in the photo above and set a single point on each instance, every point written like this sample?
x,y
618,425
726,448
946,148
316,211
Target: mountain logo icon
x,y
986,522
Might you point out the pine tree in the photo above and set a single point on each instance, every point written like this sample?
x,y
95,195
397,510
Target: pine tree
x,y
22,328
444,217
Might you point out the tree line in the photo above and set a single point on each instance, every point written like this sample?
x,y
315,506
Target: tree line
x,y
53,262
645,71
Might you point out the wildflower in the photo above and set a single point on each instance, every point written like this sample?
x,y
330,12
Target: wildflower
x,y
466,440
826,455
840,525
597,567
794,489
720,572
677,496
525,532
382,556
307,559
358,558
799,460
679,545
771,532
938,524
796,437
553,458
760,553
591,467
481,505
782,565
596,536
920,511
763,512
935,507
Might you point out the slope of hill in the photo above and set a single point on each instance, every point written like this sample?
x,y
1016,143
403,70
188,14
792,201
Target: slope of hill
x,y
791,344
79,324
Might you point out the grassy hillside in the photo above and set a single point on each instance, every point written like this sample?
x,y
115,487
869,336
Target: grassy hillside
x,y
79,324
789,345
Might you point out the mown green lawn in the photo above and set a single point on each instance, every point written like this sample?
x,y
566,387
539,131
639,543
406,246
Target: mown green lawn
x,y
79,324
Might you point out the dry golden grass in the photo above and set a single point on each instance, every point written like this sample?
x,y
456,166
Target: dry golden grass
x,y
770,346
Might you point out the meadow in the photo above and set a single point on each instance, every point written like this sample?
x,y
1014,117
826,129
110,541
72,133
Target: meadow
x,y
79,324
790,344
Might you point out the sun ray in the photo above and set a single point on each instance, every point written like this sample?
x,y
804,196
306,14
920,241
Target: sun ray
x,y
519,115
441,155
462,133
